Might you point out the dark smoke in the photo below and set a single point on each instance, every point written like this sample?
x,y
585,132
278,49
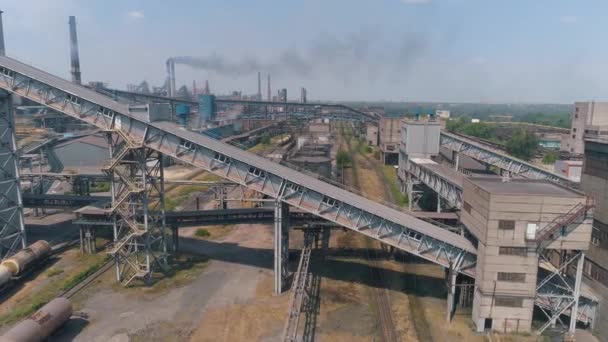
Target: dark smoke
x,y
363,53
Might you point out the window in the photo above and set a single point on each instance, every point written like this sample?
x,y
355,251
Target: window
x,y
512,277
506,224
573,136
574,130
105,112
293,187
511,302
256,172
467,207
330,201
221,158
519,251
6,72
186,145
74,99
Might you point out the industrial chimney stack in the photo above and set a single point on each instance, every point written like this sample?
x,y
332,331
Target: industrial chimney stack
x,y
2,51
259,86
171,77
269,95
75,60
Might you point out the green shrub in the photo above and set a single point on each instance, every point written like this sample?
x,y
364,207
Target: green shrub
x,y
201,232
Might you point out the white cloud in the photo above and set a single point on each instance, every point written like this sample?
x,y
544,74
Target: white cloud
x,y
416,2
136,14
568,19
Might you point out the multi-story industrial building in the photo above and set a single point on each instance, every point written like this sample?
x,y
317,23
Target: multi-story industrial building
x,y
587,118
371,134
389,132
509,220
594,181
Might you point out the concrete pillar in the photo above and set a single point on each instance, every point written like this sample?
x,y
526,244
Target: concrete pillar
x,y
438,203
281,246
451,285
456,159
577,291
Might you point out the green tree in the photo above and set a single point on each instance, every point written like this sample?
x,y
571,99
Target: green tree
x,y
522,144
343,159
550,158
265,139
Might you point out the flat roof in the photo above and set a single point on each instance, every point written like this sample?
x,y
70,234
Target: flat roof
x,y
518,186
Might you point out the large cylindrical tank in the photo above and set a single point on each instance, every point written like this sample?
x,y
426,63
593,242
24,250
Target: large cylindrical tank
x,y
5,275
20,261
41,324
182,111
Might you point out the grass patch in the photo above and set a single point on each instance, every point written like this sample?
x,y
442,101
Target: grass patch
x,y
202,232
100,187
36,300
183,269
390,177
53,272
77,278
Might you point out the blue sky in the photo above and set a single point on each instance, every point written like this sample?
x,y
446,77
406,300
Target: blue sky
x,y
412,50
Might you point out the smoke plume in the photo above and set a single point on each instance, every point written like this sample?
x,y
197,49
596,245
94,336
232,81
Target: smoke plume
x,y
364,53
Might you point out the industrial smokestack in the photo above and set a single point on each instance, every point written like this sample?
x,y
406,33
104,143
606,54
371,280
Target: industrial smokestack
x,y
75,60
171,77
207,91
269,93
259,86
2,51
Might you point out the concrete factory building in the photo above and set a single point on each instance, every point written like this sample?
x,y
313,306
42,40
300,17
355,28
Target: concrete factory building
x,y
515,221
389,132
595,182
587,118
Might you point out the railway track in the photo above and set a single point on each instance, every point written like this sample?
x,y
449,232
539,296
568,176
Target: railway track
x,y
380,294
69,293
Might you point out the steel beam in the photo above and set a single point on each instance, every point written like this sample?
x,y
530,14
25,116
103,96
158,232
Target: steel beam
x,y
446,188
12,231
461,145
281,246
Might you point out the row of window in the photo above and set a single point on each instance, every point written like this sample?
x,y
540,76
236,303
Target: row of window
x,y
595,272
511,277
6,72
518,251
511,302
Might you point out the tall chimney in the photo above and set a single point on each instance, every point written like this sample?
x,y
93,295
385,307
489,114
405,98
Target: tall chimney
x,y
269,95
2,51
259,86
193,88
207,91
170,77
75,60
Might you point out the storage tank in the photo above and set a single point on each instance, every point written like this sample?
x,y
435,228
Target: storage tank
x,y
20,261
182,111
41,324
206,108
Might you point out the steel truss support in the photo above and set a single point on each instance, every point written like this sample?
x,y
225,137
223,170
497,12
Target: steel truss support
x,y
469,148
281,246
558,293
445,188
451,286
138,207
12,231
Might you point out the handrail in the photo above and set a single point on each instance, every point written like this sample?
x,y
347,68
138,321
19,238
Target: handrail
x,y
565,219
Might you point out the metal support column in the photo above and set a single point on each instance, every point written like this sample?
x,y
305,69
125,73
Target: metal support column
x,y
138,207
12,230
577,291
281,246
451,286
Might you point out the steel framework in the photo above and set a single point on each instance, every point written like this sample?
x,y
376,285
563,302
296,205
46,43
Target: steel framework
x,y
445,188
138,207
12,231
496,158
